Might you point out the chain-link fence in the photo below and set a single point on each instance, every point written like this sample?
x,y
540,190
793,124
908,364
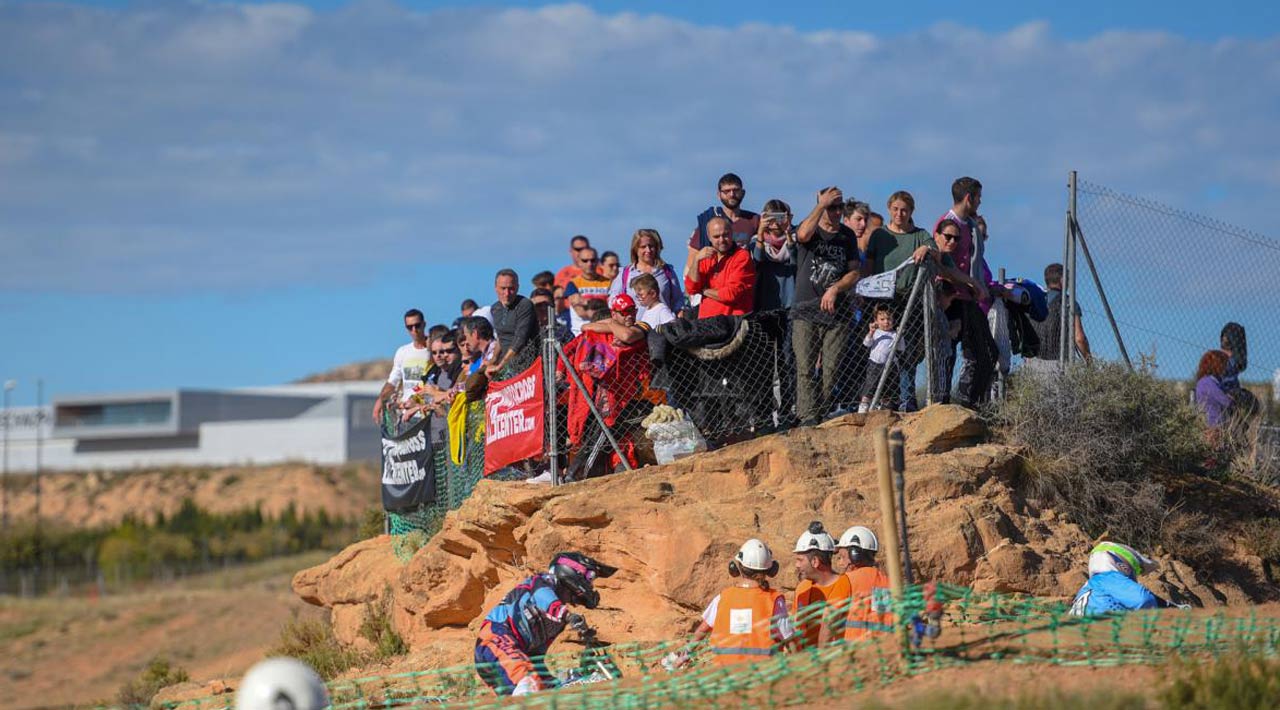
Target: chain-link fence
x,y
737,377
1173,279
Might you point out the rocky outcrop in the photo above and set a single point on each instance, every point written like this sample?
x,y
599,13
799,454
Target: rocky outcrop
x,y
672,529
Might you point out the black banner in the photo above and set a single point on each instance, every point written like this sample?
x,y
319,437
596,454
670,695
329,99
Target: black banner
x,y
407,476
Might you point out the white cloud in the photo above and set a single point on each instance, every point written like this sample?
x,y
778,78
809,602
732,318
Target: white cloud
x,y
180,147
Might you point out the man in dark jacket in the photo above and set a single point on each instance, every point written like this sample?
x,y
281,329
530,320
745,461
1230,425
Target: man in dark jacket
x,y
514,322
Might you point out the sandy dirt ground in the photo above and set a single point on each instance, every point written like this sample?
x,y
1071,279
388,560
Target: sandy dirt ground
x,y
80,651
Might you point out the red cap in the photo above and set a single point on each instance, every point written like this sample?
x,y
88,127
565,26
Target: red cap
x,y
622,302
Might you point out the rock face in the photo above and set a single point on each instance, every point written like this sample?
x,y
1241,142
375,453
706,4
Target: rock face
x,y
671,530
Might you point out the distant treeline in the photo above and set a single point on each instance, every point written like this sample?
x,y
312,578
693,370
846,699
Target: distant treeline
x,y
190,539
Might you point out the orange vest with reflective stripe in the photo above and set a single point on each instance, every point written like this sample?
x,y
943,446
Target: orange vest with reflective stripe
x,y
814,605
743,631
869,605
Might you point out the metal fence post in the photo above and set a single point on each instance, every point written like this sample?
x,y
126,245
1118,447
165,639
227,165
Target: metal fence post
x,y
922,271
1069,279
1102,295
927,312
549,385
577,382
1066,249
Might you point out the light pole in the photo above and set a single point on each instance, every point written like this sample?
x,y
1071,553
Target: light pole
x,y
4,481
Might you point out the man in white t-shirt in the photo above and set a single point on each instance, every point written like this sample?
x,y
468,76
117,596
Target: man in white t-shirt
x,y
653,312
410,365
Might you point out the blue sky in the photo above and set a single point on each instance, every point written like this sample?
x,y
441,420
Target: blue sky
x,y
203,194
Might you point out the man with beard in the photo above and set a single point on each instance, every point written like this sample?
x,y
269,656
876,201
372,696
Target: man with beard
x,y
743,224
723,274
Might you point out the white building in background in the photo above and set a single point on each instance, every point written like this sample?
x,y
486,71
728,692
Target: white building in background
x,y
325,423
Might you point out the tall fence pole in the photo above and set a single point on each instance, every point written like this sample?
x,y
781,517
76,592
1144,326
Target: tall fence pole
x,y
1069,305
897,451
890,522
926,312
1102,295
549,381
921,276
1061,331
577,382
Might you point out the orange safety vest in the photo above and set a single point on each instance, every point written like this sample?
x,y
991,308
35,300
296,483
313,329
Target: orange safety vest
x,y
815,605
743,631
869,605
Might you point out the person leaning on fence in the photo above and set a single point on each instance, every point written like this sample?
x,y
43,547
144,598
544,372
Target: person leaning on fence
x,y
879,342
612,358
915,245
870,608
514,323
827,268
723,275
410,364
646,260
823,594
948,331
480,348
543,301
1049,330
773,251
747,621
435,393
590,285
653,311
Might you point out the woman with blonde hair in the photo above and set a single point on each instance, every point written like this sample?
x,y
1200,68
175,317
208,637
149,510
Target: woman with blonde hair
x,y
646,258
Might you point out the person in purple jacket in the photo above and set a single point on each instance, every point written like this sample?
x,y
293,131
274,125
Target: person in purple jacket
x,y
1211,397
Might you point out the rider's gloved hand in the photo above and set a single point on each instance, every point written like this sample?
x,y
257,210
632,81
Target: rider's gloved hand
x,y
579,624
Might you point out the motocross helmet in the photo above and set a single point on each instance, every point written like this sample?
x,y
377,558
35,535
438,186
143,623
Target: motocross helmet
x,y
574,573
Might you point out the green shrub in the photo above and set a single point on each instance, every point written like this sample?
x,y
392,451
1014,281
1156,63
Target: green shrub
x,y
372,524
1231,683
1097,438
376,627
312,641
158,674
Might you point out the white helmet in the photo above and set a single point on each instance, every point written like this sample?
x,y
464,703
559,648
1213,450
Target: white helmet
x,y
861,538
815,539
754,555
1114,557
281,684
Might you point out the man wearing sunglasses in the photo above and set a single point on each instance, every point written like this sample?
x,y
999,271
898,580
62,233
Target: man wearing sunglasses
x,y
576,245
410,364
588,285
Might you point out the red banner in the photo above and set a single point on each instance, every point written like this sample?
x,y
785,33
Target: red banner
x,y
514,418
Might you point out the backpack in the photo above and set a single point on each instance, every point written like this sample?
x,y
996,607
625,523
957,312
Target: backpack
x,y
1049,330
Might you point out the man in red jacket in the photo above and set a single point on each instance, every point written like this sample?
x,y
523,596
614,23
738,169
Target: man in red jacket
x,y
725,275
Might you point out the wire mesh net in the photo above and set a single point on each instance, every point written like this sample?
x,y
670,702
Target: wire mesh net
x,y
1174,278
457,465
975,628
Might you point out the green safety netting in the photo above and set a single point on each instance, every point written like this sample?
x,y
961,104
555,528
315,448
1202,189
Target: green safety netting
x,y
410,530
976,628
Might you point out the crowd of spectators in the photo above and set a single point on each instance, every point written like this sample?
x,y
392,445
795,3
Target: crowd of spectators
x,y
740,263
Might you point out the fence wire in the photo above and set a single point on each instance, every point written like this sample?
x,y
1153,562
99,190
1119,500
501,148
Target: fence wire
x,y
1174,279
737,377
975,628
